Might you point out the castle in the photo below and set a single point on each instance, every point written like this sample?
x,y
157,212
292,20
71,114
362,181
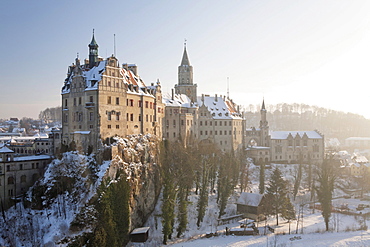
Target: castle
x,y
101,99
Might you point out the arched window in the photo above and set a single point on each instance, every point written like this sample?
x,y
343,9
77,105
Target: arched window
x,y
10,180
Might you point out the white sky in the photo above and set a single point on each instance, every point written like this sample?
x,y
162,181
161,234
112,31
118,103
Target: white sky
x,y
310,51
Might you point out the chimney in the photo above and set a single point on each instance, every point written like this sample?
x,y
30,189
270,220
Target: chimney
x,y
202,97
216,97
173,94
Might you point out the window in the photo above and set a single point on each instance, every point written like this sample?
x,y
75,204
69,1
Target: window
x,y
174,123
117,126
117,101
91,126
91,98
131,102
139,117
151,105
79,101
229,123
140,103
215,123
206,132
65,103
146,104
182,122
132,117
8,168
23,179
201,123
91,116
10,180
74,101
20,166
117,116
109,100
201,133
109,126
205,123
225,131
109,115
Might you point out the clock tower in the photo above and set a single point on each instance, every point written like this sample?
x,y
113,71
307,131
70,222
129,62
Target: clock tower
x,y
185,78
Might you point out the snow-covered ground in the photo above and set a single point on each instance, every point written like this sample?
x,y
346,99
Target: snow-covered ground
x,y
311,232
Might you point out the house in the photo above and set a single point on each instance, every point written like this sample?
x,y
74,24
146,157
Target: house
x,y
250,205
140,234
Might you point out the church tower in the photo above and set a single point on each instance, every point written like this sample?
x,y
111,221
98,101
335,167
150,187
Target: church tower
x,y
185,78
264,127
93,52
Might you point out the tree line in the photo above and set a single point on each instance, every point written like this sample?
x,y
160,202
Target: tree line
x,y
201,168
295,116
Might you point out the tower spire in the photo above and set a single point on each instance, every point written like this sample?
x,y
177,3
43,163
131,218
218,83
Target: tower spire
x,y
93,51
185,59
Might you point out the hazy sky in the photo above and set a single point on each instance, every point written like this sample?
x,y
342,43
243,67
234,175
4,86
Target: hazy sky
x,y
309,51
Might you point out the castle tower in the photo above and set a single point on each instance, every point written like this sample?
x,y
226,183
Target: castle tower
x,y
185,78
264,126
93,52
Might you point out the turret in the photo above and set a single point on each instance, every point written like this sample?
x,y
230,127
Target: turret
x,y
93,52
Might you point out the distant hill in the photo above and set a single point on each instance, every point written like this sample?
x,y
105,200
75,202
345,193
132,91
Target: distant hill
x,y
295,116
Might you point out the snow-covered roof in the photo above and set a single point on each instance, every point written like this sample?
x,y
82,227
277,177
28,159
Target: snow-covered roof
x,y
360,159
219,107
140,230
5,149
42,135
92,77
33,157
179,100
284,134
250,199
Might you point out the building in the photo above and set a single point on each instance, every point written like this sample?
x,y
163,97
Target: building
x,y
205,118
101,99
17,174
283,146
251,205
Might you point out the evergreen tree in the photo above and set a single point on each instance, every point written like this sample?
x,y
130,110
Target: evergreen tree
x,y
326,178
262,178
297,181
276,195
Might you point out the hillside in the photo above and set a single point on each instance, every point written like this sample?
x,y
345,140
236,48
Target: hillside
x,y
333,124
81,199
